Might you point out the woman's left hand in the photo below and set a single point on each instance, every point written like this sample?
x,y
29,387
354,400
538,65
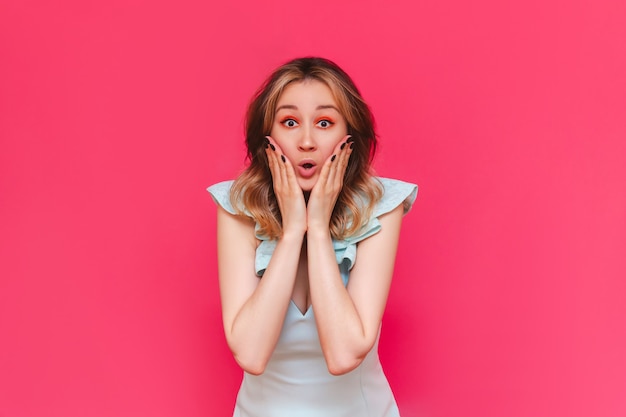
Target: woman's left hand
x,y
326,190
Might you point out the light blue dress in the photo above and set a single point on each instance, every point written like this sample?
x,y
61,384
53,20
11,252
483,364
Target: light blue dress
x,y
296,381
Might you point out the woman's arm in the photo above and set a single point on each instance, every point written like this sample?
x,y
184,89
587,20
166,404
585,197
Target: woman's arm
x,y
348,319
253,309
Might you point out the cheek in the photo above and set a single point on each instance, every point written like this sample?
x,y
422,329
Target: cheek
x,y
280,136
274,132
342,127
339,136
278,130
329,148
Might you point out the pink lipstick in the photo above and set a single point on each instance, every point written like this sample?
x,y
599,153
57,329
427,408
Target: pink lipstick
x,y
307,168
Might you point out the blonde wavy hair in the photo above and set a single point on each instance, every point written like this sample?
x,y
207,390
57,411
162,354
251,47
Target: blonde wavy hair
x,y
252,193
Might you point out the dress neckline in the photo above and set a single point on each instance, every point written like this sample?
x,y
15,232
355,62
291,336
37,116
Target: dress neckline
x,y
300,313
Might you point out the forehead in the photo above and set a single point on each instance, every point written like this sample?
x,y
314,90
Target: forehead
x,y
307,93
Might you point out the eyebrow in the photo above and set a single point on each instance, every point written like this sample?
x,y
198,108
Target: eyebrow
x,y
292,107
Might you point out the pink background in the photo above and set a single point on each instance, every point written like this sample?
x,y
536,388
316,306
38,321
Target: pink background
x,y
509,297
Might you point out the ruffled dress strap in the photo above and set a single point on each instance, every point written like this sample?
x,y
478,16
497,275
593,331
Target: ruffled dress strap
x,y
220,193
395,193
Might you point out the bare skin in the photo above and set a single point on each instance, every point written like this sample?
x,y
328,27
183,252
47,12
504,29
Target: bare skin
x,y
303,268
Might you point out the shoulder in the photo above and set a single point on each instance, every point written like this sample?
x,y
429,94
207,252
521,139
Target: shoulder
x,y
220,192
233,221
395,193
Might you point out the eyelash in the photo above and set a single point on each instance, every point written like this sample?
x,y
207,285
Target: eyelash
x,y
330,123
288,119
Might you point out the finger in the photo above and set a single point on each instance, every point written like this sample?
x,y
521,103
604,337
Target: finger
x,y
290,173
329,170
272,160
284,169
282,163
339,163
270,154
344,157
326,171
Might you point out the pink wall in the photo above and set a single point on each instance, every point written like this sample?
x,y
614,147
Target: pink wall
x,y
510,291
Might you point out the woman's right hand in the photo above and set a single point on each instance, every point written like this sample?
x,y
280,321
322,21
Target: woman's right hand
x,y
286,188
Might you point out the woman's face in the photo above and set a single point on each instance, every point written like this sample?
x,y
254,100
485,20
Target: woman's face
x,y
307,127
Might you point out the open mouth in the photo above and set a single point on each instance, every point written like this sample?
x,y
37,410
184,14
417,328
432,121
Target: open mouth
x,y
307,168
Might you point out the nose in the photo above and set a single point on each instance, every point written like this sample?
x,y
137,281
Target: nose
x,y
307,141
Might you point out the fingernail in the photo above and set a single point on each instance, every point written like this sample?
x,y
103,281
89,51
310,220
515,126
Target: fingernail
x,y
272,146
333,158
350,139
267,145
343,145
283,158
351,145
267,141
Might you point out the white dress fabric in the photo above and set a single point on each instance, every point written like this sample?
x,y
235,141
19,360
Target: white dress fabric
x,y
296,381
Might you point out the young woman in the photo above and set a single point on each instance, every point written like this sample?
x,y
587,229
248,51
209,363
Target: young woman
x,y
307,239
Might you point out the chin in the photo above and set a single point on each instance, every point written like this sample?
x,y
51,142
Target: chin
x,y
307,184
